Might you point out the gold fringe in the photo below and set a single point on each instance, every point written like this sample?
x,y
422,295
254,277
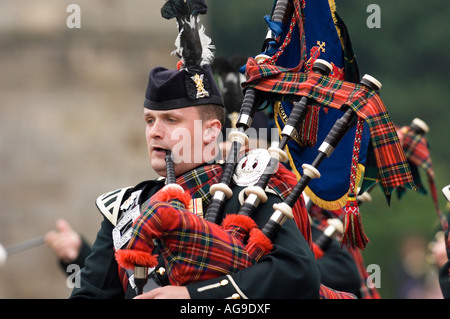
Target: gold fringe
x,y
340,202
333,15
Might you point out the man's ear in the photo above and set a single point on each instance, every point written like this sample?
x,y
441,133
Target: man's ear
x,y
212,130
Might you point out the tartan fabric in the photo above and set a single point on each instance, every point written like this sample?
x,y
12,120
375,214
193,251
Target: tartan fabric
x,y
193,248
198,181
416,148
329,293
393,169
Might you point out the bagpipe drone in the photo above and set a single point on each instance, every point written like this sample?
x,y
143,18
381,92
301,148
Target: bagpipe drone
x,y
238,242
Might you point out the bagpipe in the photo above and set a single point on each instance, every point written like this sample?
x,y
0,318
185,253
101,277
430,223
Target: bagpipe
x,y
417,151
195,248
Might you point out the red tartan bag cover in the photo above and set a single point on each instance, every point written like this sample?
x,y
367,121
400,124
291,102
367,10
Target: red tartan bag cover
x,y
194,249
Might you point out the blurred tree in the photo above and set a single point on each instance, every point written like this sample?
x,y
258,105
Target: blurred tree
x,y
238,27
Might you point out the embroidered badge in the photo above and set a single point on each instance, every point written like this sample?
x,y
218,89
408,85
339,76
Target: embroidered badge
x,y
128,202
198,80
251,167
131,210
321,45
314,54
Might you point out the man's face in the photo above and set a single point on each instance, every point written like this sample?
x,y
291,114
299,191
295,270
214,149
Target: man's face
x,y
180,131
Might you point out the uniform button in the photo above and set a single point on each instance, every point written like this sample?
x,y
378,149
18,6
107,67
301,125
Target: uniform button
x,y
224,282
235,296
161,271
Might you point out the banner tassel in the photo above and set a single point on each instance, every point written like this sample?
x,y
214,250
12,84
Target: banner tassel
x,y
354,235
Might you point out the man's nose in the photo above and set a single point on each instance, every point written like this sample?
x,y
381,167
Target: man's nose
x,y
156,130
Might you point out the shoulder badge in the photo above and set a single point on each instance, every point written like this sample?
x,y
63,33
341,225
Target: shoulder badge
x,y
198,80
109,204
130,212
251,167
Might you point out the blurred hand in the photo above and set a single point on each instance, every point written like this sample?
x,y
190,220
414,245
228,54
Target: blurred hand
x,y
65,242
438,249
166,292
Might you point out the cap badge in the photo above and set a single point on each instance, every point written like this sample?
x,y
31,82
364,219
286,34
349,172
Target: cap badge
x,y
198,80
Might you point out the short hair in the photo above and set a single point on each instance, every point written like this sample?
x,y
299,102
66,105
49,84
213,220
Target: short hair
x,y
212,111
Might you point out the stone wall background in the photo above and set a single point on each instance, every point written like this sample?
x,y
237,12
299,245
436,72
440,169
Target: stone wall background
x,y
71,124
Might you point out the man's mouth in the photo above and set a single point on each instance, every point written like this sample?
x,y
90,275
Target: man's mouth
x,y
159,149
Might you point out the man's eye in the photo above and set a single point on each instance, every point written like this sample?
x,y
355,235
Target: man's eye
x,y
149,121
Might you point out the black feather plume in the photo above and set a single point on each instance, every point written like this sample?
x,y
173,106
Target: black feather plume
x,y
193,46
183,9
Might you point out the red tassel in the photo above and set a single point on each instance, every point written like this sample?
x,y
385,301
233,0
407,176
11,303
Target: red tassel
x,y
242,221
128,259
353,230
318,252
354,235
180,64
238,225
258,244
168,193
